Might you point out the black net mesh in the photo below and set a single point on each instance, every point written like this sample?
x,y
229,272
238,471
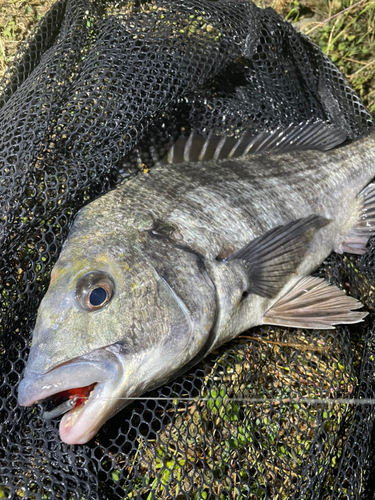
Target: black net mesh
x,y
97,94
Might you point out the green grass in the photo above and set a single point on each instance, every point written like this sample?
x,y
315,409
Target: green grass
x,y
17,19
345,31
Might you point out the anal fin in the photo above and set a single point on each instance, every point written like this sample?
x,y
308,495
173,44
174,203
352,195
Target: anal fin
x,y
358,237
313,303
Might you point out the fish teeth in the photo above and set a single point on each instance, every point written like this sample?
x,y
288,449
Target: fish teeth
x,y
89,396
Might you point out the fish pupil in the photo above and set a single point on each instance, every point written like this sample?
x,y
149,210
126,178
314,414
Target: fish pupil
x,y
98,296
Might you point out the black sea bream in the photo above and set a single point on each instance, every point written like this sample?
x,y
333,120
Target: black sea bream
x,y
173,263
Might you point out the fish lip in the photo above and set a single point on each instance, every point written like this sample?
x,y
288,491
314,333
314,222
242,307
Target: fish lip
x,y
81,423
99,367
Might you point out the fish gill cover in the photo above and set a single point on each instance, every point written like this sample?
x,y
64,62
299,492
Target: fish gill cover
x,y
96,94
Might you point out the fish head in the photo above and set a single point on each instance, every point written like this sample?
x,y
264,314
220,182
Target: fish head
x,y
124,311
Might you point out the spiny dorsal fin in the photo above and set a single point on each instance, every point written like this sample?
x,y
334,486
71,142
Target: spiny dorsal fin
x,y
271,259
313,303
316,136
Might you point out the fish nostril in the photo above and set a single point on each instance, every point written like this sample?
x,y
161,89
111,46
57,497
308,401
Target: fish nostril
x,y
244,294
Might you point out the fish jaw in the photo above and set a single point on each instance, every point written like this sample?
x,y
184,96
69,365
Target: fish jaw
x,y
118,376
81,423
101,367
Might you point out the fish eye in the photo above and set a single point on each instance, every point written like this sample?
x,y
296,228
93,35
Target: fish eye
x,y
94,290
98,296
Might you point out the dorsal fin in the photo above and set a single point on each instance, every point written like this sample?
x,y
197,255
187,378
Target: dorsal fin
x,y
317,136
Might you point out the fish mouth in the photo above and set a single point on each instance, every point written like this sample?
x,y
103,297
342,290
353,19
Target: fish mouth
x,y
92,381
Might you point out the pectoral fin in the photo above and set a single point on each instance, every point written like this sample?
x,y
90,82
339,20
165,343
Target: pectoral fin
x,y
313,303
358,237
271,259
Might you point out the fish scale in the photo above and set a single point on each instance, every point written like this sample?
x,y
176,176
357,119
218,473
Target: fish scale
x,y
188,256
275,186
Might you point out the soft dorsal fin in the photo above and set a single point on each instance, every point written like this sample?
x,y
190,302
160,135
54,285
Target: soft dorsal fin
x,y
316,136
271,259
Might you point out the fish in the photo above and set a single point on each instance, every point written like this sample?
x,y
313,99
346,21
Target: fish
x,y
221,236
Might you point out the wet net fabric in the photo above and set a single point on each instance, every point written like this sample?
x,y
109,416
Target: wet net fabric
x,y
96,94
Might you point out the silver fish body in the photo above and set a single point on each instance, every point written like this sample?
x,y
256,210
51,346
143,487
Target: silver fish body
x,y
189,256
